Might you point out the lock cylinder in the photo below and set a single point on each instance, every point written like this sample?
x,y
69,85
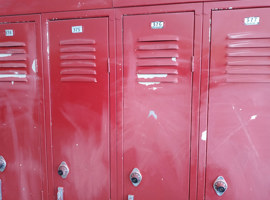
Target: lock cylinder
x,y
135,177
220,186
63,170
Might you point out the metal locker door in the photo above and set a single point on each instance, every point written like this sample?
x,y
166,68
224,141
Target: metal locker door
x,y
78,53
239,109
21,121
158,51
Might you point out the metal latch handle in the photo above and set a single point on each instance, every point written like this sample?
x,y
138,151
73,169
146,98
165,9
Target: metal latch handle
x,y
60,193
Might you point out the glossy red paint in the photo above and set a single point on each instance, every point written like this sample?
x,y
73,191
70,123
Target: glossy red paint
x,y
124,145
13,7
239,104
80,119
157,103
22,115
78,60
151,184
124,3
238,112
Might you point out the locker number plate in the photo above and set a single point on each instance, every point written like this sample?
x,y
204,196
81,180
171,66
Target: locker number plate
x,y
252,21
77,29
9,32
157,25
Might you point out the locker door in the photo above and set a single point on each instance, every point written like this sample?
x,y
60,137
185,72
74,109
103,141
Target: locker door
x,y
20,112
239,109
79,101
158,50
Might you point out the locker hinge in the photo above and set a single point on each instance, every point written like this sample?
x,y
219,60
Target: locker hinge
x,y
109,65
210,27
192,64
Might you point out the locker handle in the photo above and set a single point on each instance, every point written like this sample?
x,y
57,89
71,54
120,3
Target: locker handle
x,y
60,193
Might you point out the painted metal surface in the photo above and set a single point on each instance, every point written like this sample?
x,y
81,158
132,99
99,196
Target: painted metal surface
x,y
79,81
239,104
157,104
124,3
13,7
21,116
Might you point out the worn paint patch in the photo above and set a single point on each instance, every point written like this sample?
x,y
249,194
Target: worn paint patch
x,y
152,113
5,55
149,76
149,83
153,88
12,75
204,135
253,117
34,66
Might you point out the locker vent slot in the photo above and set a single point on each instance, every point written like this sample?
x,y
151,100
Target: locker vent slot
x,y
78,60
13,62
248,58
157,59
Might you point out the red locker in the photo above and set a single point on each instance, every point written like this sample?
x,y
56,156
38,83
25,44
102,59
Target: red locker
x,y
158,51
239,110
21,116
79,80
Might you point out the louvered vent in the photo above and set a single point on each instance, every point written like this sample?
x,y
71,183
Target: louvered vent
x,y
13,59
78,60
248,58
157,59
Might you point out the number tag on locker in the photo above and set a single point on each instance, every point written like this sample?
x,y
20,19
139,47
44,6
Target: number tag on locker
x,y
77,29
9,32
157,25
252,21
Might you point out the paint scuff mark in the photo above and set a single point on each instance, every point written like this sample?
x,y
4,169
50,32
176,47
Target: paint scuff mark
x,y
34,66
12,75
253,117
149,83
174,59
5,55
204,135
152,113
149,76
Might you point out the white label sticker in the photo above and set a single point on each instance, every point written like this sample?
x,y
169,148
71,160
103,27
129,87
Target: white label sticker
x,y
252,21
77,29
9,32
157,25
